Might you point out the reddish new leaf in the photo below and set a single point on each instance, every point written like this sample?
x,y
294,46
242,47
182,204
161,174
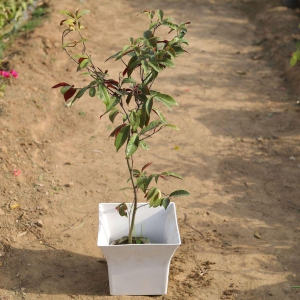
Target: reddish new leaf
x,y
112,81
115,132
69,94
60,85
125,71
146,166
62,22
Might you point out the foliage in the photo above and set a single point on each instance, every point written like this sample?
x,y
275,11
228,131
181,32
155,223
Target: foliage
x,y
295,55
12,16
130,101
10,12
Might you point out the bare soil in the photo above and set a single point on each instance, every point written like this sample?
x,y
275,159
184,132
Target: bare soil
x,y
238,149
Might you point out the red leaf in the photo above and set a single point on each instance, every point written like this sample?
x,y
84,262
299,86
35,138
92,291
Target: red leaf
x,y
111,86
61,23
60,84
115,132
125,71
112,81
161,176
81,59
69,94
146,165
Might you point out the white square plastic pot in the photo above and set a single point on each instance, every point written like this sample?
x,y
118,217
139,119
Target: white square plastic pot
x,y
139,269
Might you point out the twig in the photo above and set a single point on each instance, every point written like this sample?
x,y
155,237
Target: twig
x,y
72,226
202,272
185,218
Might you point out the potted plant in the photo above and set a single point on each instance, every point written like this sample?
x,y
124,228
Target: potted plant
x,y
139,246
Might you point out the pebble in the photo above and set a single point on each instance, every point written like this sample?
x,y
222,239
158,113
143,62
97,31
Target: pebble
x,y
39,223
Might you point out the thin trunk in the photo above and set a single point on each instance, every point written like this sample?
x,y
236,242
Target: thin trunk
x,y
134,204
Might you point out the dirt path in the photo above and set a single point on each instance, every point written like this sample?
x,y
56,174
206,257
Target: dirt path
x,y
238,149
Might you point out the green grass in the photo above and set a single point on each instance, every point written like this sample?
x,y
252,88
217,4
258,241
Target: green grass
x,y
36,19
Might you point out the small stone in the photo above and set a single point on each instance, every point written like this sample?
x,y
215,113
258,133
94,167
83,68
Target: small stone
x,y
1,212
292,158
21,233
2,253
70,184
39,223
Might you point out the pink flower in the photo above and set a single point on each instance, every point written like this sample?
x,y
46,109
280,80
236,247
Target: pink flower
x,y
5,74
14,73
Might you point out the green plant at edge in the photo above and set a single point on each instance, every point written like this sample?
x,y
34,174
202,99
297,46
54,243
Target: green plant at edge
x,y
130,99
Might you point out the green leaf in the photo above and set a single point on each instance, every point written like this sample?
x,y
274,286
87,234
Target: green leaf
x,y
169,24
151,126
145,66
159,114
125,188
84,63
151,192
154,65
142,116
179,193
152,25
148,34
113,102
81,13
92,92
134,120
165,99
133,62
79,94
103,94
116,130
175,40
125,48
128,98
178,50
122,209
171,126
167,63
172,174
142,183
113,114
171,51
155,199
294,59
64,89
148,105
122,136
67,13
128,80
132,145
160,14
165,202
114,55
143,145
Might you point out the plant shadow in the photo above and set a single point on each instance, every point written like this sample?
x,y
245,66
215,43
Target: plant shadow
x,y
53,272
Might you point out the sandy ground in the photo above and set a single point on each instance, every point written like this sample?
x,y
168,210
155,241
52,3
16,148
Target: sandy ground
x,y
238,149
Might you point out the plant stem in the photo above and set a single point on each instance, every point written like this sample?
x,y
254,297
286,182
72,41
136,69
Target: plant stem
x,y
134,204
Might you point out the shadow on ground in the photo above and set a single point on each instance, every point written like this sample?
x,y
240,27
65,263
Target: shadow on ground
x,y
54,272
